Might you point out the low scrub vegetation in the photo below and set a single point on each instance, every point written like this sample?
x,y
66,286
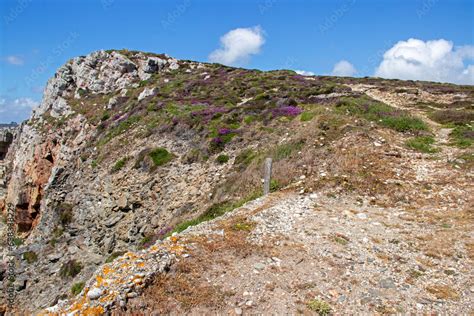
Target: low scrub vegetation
x,y
30,256
160,156
381,113
77,288
70,269
119,164
320,307
222,159
150,159
462,136
286,150
17,241
422,144
453,117
215,211
245,157
306,116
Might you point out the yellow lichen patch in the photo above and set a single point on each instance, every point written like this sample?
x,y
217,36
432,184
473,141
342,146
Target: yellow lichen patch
x,y
78,305
141,264
174,239
106,270
100,281
108,298
131,255
92,311
124,266
176,249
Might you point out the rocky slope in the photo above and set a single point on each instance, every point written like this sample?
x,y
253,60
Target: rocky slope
x,y
128,147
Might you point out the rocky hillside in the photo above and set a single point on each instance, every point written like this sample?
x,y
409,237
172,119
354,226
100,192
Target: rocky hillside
x,y
372,181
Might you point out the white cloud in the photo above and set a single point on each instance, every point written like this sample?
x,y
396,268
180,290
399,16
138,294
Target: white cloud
x,y
343,68
436,60
14,60
238,45
305,73
16,110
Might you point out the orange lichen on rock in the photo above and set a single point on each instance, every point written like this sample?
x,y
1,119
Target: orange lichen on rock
x,y
106,270
92,311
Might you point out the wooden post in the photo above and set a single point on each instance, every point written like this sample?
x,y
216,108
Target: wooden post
x,y
267,176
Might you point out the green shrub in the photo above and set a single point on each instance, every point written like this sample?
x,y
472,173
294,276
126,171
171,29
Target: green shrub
x,y
245,157
274,185
30,256
81,92
105,116
222,159
319,306
262,97
160,156
422,144
249,119
70,269
286,150
143,83
114,256
462,136
17,241
215,211
306,116
77,288
403,123
119,129
145,239
119,164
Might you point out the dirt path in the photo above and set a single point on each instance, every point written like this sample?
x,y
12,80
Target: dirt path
x,y
311,248
400,102
406,102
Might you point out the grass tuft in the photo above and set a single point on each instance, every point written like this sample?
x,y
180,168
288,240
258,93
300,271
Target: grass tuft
x,y
319,306
215,211
462,136
422,144
77,288
160,156
119,164
222,159
70,269
30,257
306,116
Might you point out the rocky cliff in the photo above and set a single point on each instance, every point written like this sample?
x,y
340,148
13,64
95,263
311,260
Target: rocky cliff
x,y
129,147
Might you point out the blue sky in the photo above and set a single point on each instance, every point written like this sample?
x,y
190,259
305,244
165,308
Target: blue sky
x,y
348,37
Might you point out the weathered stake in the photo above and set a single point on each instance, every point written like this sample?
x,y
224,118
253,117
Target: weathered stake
x,y
267,176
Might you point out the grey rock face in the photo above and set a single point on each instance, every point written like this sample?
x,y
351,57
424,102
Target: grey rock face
x,y
147,92
98,72
119,207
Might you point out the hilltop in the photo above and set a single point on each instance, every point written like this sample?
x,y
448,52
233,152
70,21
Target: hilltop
x,y
147,168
